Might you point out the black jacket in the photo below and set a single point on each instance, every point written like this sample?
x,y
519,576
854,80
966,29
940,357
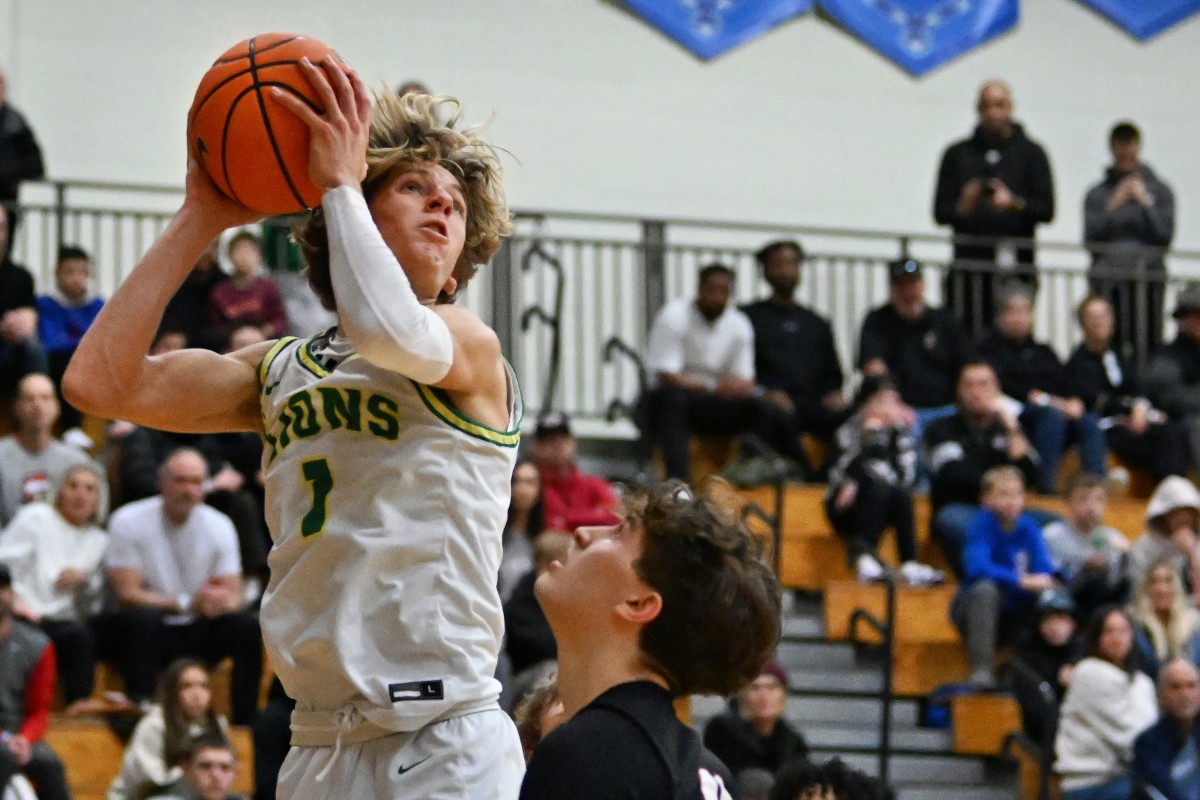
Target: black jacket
x,y
961,452
1018,161
20,156
731,737
1024,366
794,351
923,355
1173,379
16,286
1090,382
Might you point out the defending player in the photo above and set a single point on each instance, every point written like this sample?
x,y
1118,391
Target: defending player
x,y
389,445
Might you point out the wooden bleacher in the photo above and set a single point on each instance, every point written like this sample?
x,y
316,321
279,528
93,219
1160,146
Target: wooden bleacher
x,y
91,754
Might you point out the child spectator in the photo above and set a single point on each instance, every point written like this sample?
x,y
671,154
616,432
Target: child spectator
x,y
1107,705
1172,519
1088,555
55,552
871,483
209,769
833,780
248,296
65,314
1040,670
162,737
1166,626
754,735
1006,566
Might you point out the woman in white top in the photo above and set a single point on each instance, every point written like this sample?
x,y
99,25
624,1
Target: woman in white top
x,y
1108,704
55,552
1167,626
163,736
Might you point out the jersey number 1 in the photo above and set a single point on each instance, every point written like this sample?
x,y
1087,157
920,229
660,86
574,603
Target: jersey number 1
x,y
320,480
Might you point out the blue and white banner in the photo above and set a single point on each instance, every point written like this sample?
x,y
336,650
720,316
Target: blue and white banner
x,y
1144,19
710,27
921,35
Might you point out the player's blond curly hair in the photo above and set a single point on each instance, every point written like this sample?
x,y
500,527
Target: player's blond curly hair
x,y
423,129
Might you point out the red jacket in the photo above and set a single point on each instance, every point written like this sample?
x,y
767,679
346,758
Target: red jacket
x,y
574,500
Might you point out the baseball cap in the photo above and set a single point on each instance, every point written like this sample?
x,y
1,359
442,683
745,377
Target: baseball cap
x,y
552,422
903,268
1055,601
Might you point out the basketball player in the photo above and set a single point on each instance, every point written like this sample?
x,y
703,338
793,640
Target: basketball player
x,y
672,601
390,441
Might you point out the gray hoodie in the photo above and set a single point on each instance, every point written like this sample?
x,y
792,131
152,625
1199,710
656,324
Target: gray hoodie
x,y
1154,545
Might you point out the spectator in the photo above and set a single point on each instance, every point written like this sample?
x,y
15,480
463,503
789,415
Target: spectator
x,y
32,461
981,435
248,296
1166,625
27,684
570,497
162,737
528,638
20,351
701,359
1136,431
526,519
272,740
538,712
1040,670
922,348
754,733
173,565
794,353
55,551
20,158
833,780
64,316
1107,705
1088,555
871,482
209,769
634,630
1131,213
1172,521
1166,755
1031,374
1006,567
187,313
991,188
1173,378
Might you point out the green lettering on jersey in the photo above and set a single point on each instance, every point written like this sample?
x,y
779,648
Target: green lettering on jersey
x,y
386,423
305,423
342,407
285,422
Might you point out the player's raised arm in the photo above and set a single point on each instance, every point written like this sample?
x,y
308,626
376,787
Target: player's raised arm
x,y
111,374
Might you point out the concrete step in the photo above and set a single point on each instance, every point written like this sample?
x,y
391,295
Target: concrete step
x,y
803,627
823,655
923,770
834,681
929,792
809,712
904,739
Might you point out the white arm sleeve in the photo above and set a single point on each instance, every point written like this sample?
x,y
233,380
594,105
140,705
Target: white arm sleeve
x,y
377,308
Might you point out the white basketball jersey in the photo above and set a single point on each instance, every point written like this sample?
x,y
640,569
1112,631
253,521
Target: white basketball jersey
x,y
386,506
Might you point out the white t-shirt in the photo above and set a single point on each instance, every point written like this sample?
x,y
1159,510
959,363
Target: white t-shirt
x,y
683,342
174,559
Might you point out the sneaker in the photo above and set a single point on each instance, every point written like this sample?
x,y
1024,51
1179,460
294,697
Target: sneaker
x,y
914,573
868,567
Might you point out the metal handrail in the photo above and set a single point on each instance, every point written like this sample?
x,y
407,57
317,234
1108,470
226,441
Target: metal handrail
x,y
887,630
773,521
1045,759
551,318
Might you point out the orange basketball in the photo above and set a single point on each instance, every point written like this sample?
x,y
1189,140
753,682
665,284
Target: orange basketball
x,y
255,149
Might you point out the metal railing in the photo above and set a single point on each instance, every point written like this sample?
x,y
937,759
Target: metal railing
x,y
886,629
589,278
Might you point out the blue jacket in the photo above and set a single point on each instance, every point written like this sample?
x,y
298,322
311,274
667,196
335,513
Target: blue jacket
x,y
1154,750
991,554
61,327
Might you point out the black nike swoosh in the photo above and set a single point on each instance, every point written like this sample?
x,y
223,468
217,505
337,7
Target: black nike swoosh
x,y
271,388
403,770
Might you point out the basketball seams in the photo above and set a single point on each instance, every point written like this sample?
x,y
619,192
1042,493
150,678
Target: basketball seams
x,y
266,120
199,103
266,49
